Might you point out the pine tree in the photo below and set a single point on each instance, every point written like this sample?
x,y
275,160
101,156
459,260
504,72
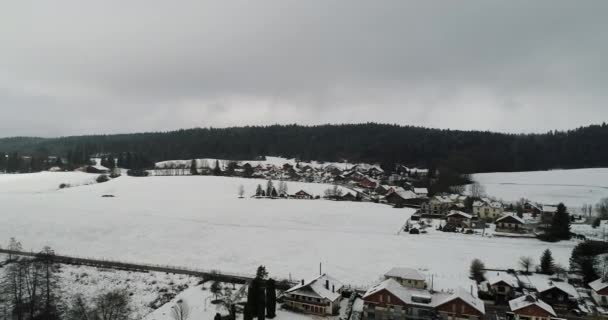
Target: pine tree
x,y
560,226
259,191
271,298
477,270
547,265
193,167
217,171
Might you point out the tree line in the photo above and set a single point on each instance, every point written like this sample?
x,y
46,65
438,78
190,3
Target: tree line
x,y
463,151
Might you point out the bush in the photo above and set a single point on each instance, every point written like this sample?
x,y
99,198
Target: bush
x,y
414,231
137,173
64,185
102,178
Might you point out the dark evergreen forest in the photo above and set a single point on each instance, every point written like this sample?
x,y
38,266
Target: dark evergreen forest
x,y
463,151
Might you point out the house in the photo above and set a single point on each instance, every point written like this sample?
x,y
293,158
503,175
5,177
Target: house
x,y
407,277
599,291
459,219
367,182
462,304
402,197
510,223
530,307
556,293
437,205
302,195
547,213
421,192
502,285
383,189
487,209
348,197
391,300
320,296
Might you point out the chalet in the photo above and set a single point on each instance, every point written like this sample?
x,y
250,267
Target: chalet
x,y
461,304
302,195
403,197
556,293
529,307
599,291
383,189
438,205
368,183
421,192
487,209
320,296
547,213
407,277
459,219
510,223
348,197
391,300
502,285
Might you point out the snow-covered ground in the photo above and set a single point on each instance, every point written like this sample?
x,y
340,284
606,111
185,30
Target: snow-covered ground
x,y
572,187
198,221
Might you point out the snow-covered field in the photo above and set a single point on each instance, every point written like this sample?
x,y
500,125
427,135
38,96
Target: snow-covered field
x,y
572,187
198,221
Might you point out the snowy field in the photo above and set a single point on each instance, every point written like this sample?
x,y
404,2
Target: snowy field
x,y
572,187
199,222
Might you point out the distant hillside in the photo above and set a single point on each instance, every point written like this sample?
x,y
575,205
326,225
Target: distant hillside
x,y
466,151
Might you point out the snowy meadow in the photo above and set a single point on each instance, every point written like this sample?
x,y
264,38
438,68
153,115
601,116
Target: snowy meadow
x,y
199,222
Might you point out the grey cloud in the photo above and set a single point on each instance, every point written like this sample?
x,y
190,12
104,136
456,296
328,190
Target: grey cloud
x,y
498,65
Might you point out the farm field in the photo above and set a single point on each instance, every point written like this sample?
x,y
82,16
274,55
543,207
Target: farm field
x,y
574,187
199,222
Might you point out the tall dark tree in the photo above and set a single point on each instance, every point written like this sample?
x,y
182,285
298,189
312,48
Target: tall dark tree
x,y
271,298
547,264
217,170
560,226
193,167
477,270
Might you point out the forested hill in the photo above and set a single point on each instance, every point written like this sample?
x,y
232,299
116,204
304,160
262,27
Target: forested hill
x,y
466,151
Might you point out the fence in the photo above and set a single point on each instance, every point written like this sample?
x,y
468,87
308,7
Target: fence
x,y
144,267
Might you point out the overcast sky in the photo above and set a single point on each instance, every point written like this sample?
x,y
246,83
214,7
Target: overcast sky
x,y
74,67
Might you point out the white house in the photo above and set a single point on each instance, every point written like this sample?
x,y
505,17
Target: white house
x,y
319,296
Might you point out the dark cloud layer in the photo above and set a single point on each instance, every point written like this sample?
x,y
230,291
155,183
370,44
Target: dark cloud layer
x,y
72,67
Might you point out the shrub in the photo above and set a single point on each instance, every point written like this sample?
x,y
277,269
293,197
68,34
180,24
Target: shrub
x,y
102,178
64,185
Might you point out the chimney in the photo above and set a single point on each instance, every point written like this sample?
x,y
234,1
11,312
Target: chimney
x,y
333,288
302,281
327,284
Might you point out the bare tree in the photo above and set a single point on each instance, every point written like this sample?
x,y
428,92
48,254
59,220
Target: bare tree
x,y
180,310
13,245
477,190
526,263
241,191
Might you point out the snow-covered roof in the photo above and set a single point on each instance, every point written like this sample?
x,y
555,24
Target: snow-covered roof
x,y
421,190
563,286
468,298
598,284
459,213
511,215
485,202
323,286
494,278
408,295
405,194
528,300
549,208
405,273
